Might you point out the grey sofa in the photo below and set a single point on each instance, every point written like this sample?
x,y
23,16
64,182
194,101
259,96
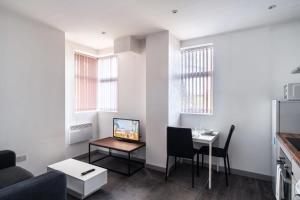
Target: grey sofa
x,y
17,183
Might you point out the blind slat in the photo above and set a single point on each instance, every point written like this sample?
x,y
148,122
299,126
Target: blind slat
x,y
108,78
196,80
85,83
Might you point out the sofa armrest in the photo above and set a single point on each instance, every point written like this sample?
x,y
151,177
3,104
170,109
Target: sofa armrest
x,y
49,186
7,159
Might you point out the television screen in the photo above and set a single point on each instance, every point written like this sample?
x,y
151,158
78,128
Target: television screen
x,y
126,129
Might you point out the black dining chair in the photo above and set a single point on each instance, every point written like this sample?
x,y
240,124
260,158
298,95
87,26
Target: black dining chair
x,y
180,144
220,152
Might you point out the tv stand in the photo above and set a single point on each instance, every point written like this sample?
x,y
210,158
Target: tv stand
x,y
111,143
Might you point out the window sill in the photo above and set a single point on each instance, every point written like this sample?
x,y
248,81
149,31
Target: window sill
x,y
107,111
86,111
197,114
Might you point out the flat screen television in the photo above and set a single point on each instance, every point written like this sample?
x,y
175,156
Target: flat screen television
x,y
126,129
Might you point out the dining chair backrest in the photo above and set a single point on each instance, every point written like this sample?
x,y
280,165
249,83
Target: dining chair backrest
x,y
180,142
229,138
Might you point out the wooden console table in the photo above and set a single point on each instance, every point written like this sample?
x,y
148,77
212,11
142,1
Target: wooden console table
x,y
123,146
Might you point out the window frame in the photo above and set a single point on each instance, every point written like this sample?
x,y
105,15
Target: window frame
x,y
188,76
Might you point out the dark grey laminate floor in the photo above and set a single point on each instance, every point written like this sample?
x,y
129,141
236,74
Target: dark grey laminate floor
x,y
150,185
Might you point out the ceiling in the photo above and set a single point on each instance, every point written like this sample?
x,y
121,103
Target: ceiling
x,y
83,21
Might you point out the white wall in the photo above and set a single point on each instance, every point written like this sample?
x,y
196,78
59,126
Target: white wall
x,y
157,77
131,94
73,117
163,93
251,67
32,90
174,81
285,56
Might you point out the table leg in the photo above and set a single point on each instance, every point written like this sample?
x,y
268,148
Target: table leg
x,y
109,152
128,163
209,165
217,159
89,153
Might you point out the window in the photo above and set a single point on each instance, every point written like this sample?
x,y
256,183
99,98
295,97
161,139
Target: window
x,y
197,80
85,83
108,84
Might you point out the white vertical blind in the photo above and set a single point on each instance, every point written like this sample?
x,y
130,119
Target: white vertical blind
x,y
108,84
85,82
197,80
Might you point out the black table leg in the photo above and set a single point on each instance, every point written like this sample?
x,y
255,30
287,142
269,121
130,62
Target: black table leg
x,y
128,163
89,153
197,164
109,152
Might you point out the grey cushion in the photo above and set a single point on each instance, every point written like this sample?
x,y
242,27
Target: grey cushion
x,y
12,175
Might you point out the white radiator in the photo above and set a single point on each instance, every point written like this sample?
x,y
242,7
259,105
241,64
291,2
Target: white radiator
x,y
80,133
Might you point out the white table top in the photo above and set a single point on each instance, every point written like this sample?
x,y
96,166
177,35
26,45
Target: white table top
x,y
200,136
74,168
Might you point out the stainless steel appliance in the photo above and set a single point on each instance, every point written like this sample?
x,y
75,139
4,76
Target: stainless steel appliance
x,y
292,91
285,176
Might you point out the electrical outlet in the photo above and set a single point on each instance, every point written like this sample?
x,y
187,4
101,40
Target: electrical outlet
x,y
21,158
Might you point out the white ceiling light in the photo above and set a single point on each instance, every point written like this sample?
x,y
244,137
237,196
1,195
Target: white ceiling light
x,y
272,7
174,11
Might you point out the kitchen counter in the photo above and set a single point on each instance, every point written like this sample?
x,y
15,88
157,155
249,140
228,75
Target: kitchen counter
x,y
282,137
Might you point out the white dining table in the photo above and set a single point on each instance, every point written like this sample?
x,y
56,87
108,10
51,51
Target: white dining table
x,y
200,136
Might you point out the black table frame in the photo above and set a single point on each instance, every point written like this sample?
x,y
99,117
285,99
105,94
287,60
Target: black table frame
x,y
129,160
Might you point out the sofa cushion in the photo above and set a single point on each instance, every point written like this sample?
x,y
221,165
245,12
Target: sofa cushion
x,y
12,175
49,186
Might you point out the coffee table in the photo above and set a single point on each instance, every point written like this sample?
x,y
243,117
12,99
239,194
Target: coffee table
x,y
111,143
78,185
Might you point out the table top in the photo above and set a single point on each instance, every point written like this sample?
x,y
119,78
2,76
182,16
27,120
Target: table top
x,y
118,145
74,168
201,137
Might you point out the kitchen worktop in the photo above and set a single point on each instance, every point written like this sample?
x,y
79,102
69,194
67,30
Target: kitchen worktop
x,y
282,137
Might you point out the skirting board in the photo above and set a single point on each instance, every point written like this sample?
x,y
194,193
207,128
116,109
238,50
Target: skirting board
x,y
156,168
233,171
221,168
244,173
